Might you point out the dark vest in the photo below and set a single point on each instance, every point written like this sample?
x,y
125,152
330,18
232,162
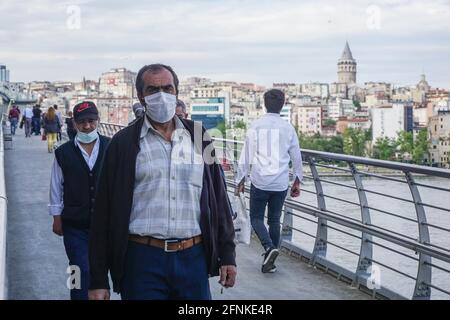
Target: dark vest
x,y
80,183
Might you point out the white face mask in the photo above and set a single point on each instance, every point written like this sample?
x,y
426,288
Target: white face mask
x,y
160,107
87,137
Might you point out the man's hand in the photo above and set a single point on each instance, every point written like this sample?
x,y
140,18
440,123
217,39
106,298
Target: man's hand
x,y
99,294
295,190
227,276
57,225
240,188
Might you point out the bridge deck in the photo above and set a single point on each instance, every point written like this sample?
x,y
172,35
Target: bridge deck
x,y
36,260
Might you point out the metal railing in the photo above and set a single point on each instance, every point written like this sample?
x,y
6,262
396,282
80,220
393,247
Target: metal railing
x,y
420,250
3,213
322,167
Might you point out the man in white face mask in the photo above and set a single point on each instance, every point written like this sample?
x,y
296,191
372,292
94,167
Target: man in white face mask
x,y
73,187
162,223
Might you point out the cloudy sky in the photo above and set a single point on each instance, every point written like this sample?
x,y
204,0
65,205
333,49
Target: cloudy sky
x,y
261,41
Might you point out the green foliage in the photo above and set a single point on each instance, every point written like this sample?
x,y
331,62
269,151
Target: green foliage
x,y
355,142
420,146
240,124
329,122
319,143
384,149
405,142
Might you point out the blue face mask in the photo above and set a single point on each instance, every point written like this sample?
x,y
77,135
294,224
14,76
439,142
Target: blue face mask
x,y
87,137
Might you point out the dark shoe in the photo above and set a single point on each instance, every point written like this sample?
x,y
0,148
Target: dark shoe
x,y
269,260
273,270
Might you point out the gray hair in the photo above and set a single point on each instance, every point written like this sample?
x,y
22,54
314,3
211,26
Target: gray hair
x,y
181,105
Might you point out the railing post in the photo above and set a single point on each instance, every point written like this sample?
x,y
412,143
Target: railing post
x,y
286,227
364,269
320,245
235,152
422,290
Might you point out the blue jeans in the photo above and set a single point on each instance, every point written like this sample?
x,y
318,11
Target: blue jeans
x,y
14,122
76,244
36,126
259,199
152,274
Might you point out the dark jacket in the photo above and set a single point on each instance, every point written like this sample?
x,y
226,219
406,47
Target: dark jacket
x,y
80,183
110,221
51,126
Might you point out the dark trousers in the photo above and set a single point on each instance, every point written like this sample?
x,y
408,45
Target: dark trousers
x,y
259,199
36,123
76,244
71,134
152,274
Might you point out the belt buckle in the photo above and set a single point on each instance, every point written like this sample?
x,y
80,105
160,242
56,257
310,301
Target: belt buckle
x,y
166,242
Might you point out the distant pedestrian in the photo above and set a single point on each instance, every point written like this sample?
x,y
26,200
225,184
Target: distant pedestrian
x,y
180,110
36,120
13,117
50,128
27,119
270,144
138,110
70,127
60,121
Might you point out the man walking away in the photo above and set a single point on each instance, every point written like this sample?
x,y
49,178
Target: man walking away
x,y
60,120
36,120
70,126
73,188
50,128
28,116
270,143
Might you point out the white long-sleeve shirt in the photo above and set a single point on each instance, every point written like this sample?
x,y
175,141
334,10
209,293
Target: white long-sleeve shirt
x,y
56,205
270,144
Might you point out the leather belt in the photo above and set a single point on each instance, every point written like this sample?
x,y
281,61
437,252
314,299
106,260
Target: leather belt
x,y
166,245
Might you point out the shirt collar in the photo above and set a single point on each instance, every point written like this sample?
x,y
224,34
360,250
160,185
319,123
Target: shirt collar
x,y
269,114
147,126
97,143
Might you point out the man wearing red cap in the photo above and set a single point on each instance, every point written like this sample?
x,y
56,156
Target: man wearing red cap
x,y
72,191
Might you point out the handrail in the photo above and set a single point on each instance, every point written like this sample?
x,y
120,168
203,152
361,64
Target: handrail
x,y
3,217
423,246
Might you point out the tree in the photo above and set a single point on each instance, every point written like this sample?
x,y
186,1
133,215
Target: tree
x,y
240,124
405,142
336,144
354,142
420,148
329,123
384,148
317,142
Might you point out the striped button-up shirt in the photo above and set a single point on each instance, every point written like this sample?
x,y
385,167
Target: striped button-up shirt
x,y
168,185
